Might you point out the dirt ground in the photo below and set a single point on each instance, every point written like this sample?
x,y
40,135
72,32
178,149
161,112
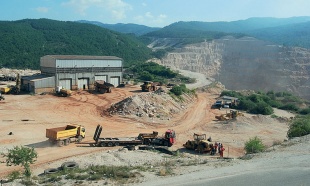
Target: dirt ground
x,y
27,117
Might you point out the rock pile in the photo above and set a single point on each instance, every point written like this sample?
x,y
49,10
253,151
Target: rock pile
x,y
157,105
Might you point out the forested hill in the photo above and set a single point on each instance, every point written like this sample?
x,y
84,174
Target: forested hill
x,y
292,31
297,35
23,42
129,28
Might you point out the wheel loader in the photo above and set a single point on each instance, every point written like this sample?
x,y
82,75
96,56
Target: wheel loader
x,y
200,143
228,116
148,86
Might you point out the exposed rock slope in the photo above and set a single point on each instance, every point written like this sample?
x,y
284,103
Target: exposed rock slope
x,y
247,63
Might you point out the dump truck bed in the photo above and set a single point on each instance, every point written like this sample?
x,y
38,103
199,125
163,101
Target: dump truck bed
x,y
4,90
61,132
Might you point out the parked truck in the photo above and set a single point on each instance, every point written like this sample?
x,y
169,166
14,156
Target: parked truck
x,y
103,86
66,134
142,139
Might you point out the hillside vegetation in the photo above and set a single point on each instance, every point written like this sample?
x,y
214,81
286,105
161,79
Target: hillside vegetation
x,y
24,42
289,31
129,28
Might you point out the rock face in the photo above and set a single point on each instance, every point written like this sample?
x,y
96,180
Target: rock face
x,y
247,63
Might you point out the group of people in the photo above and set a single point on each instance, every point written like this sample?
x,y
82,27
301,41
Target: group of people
x,y
217,147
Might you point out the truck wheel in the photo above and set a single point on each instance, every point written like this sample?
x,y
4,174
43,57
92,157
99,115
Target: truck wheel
x,y
67,142
147,141
60,143
166,143
116,143
102,144
110,144
79,139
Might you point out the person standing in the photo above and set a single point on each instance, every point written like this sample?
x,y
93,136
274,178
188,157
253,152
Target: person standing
x,y
215,146
222,149
219,147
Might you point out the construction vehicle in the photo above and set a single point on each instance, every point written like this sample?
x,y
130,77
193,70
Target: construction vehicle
x,y
142,139
199,144
5,90
65,135
103,86
63,92
228,116
1,97
148,86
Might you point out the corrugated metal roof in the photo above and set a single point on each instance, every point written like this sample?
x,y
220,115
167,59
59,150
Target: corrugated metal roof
x,y
81,57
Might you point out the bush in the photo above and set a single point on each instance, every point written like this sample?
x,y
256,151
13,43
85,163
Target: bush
x,y
179,89
262,108
304,111
246,105
14,175
299,127
289,106
254,145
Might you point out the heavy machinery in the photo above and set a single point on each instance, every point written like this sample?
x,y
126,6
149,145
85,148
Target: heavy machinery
x,y
148,86
103,87
65,135
63,92
228,116
199,144
142,139
5,90
1,97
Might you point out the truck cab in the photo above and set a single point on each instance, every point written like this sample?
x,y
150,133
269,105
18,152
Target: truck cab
x,y
81,131
170,136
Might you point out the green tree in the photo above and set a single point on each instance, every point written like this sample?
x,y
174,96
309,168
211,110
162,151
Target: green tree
x,y
22,156
177,90
254,145
300,126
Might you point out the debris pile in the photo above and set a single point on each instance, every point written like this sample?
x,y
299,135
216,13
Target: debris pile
x,y
157,105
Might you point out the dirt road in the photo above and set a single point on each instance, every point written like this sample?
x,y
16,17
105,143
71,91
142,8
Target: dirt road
x,y
28,116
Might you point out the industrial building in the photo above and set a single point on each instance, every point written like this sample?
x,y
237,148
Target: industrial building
x,y
74,72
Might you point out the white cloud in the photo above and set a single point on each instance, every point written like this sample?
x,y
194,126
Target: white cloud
x,y
116,8
42,9
149,19
149,15
144,4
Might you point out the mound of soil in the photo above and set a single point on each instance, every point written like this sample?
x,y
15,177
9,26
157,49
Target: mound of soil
x,y
157,106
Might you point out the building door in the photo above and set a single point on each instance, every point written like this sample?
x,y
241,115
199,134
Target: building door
x,y
65,83
115,80
83,83
104,78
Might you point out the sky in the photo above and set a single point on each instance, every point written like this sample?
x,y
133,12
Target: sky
x,y
152,13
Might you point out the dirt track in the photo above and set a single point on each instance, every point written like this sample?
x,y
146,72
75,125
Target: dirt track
x,y
28,117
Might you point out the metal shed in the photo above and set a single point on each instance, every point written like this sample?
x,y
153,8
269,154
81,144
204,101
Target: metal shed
x,y
80,72
38,83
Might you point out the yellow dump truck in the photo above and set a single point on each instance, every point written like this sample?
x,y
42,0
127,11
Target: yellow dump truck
x,y
4,90
65,135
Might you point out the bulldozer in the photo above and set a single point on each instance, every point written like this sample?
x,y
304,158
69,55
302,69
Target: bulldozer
x,y
200,143
228,116
149,86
